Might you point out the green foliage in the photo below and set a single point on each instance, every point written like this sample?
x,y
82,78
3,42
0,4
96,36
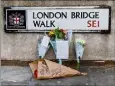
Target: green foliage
x,y
58,34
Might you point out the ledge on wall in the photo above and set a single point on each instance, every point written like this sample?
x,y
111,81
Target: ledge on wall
x,y
70,63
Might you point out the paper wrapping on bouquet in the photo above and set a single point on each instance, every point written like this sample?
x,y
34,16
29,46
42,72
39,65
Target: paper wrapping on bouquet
x,y
61,48
79,48
45,69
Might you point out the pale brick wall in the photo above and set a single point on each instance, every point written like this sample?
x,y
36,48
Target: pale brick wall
x,y
22,46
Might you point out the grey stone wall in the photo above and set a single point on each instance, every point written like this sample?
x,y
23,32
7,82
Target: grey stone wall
x,y
22,46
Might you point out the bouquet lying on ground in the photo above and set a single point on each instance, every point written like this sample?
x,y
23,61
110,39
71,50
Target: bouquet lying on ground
x,y
46,69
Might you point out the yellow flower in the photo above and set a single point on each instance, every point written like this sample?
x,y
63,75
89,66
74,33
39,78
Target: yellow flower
x,y
51,33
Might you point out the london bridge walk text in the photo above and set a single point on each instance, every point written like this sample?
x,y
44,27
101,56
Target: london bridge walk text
x,y
48,19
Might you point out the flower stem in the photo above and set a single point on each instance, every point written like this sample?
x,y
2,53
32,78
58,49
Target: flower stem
x,y
78,65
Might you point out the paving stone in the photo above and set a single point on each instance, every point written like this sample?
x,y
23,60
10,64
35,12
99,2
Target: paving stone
x,y
15,73
103,76
10,83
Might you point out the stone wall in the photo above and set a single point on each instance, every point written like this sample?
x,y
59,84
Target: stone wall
x,y
23,46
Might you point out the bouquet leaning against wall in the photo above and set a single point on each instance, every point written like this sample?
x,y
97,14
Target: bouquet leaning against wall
x,y
59,42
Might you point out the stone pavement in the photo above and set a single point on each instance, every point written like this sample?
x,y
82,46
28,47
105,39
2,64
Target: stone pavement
x,y
97,76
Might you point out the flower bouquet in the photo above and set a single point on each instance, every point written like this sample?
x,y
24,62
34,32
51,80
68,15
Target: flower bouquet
x,y
41,50
46,69
59,42
79,48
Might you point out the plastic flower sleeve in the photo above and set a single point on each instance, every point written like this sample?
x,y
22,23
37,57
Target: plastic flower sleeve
x,y
41,49
53,44
69,36
79,47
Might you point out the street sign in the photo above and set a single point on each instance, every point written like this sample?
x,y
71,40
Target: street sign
x,y
40,19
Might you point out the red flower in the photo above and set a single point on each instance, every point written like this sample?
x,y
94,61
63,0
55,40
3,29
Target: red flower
x,y
36,73
64,31
61,30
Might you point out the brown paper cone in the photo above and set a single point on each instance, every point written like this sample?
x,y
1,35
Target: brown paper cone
x,y
58,70
48,69
34,67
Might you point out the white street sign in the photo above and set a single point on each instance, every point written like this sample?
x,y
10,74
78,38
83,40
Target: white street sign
x,y
85,18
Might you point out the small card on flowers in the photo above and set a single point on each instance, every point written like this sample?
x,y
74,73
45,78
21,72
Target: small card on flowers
x,y
62,47
45,41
